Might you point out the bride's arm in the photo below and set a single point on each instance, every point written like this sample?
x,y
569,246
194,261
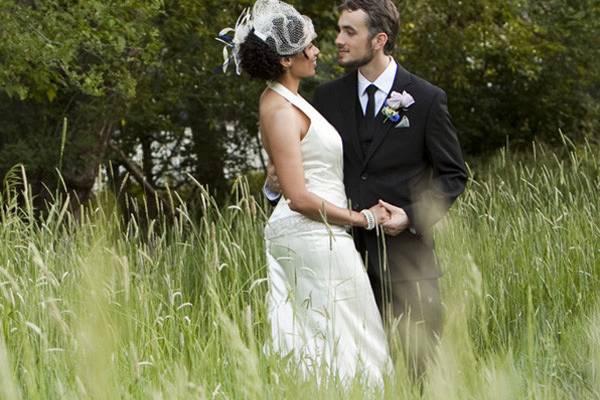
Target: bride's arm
x,y
283,132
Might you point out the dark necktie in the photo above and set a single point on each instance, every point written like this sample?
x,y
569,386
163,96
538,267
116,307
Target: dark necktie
x,y
370,113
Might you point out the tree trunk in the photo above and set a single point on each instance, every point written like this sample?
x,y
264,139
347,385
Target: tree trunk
x,y
85,160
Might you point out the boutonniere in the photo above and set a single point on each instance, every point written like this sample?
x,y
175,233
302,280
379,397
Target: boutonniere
x,y
393,104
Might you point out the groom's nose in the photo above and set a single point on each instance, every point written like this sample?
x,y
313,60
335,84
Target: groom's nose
x,y
338,40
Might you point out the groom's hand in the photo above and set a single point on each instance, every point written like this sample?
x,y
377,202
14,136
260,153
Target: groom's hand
x,y
398,221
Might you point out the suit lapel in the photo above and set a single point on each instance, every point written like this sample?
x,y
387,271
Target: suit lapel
x,y
401,82
348,99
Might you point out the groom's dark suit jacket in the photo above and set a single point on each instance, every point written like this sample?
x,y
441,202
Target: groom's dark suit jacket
x,y
419,168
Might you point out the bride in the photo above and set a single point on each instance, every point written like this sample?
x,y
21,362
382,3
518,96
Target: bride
x,y
321,305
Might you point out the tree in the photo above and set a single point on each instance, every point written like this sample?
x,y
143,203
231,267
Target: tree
x,y
78,61
513,70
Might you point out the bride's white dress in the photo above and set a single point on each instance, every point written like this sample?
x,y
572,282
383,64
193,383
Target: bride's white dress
x,y
321,305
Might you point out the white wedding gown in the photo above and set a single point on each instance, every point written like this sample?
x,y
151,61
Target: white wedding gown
x,y
321,305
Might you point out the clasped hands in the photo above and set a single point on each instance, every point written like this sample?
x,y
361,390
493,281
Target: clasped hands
x,y
392,219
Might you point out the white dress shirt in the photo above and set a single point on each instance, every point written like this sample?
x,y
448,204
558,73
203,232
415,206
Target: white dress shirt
x,y
384,84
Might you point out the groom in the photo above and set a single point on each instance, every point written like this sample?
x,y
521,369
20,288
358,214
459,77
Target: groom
x,y
411,159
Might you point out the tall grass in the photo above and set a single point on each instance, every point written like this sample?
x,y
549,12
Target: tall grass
x,y
93,308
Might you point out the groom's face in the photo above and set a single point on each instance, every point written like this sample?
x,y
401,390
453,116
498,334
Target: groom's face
x,y
354,42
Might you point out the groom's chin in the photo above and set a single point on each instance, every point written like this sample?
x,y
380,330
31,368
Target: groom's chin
x,y
346,63
352,64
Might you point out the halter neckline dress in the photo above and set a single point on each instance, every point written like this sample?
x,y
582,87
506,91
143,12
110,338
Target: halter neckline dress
x,y
321,306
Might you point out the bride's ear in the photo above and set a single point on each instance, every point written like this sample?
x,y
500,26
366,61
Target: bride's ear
x,y
286,62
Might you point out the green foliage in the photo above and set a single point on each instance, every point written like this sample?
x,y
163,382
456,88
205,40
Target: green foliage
x,y
94,47
185,92
74,60
513,70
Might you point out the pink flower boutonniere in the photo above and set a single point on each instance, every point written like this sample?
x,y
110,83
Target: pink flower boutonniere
x,y
393,104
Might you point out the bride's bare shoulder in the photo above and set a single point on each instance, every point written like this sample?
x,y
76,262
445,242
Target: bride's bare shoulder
x,y
273,108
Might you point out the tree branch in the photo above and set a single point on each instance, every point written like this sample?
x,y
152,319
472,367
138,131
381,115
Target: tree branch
x,y
135,171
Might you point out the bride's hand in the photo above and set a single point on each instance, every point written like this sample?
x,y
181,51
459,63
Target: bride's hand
x,y
382,215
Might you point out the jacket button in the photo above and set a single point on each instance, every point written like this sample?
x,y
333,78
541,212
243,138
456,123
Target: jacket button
x,y
364,177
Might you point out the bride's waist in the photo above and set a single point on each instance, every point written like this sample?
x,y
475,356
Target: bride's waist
x,y
332,193
284,219
282,209
287,222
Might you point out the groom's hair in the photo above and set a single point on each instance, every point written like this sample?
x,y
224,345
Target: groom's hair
x,y
383,16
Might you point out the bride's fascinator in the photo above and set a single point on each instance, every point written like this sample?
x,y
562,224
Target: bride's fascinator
x,y
277,24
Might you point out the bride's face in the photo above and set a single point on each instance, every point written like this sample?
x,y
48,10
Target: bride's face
x,y
304,64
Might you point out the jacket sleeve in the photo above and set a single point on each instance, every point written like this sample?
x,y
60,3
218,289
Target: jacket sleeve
x,y
448,168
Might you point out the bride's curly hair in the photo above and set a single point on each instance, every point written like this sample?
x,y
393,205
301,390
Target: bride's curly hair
x,y
259,60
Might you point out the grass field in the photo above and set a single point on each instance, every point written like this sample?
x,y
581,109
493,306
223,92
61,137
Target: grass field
x,y
98,309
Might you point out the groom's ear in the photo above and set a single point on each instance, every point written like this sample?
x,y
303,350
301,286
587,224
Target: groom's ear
x,y
379,41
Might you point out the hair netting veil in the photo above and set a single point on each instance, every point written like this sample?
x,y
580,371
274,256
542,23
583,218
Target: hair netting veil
x,y
276,23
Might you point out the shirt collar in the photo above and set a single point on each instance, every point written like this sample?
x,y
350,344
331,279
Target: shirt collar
x,y
384,82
